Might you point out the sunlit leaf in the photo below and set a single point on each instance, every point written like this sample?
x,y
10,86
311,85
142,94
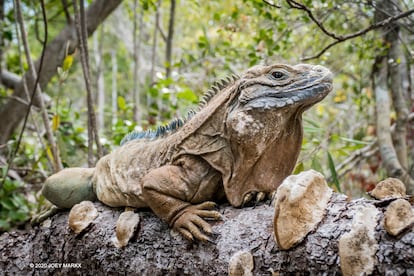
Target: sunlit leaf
x,y
121,103
188,95
67,62
55,122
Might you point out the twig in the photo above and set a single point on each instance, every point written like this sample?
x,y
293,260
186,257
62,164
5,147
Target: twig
x,y
272,4
364,153
57,164
296,5
356,157
82,37
342,38
36,88
26,91
362,32
66,11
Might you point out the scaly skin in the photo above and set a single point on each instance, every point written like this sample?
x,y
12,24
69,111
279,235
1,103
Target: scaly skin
x,y
240,145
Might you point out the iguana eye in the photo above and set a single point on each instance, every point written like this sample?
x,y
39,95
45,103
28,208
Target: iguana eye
x,y
278,75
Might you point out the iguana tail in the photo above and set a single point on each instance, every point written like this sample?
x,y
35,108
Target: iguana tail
x,y
69,187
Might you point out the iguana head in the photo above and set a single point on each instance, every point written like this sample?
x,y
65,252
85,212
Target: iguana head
x,y
264,126
280,85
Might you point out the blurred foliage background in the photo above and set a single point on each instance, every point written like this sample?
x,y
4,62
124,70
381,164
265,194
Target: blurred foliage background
x,y
137,86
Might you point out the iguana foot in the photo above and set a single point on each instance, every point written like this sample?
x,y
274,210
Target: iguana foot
x,y
191,223
47,211
258,196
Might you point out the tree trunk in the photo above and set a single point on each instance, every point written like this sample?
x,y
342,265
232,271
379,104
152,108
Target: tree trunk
x,y
169,44
114,93
387,76
100,81
1,38
157,250
11,113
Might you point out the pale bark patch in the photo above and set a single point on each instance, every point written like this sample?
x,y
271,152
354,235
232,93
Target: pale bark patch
x,y
300,205
398,217
358,247
81,216
389,188
241,264
126,226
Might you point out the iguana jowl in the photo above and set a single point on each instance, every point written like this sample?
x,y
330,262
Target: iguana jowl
x,y
241,144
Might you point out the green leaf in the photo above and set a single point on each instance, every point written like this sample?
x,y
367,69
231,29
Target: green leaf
x,y
334,175
299,168
187,94
7,204
122,103
359,142
55,122
4,225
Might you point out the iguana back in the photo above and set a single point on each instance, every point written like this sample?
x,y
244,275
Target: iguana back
x,y
241,144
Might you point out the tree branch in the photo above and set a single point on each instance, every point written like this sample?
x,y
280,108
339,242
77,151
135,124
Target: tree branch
x,y
10,113
296,5
83,45
341,38
9,79
37,93
358,155
157,250
271,4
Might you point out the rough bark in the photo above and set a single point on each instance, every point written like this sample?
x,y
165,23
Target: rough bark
x,y
11,113
156,250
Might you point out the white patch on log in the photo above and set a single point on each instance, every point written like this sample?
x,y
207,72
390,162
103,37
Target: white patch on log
x,y
81,216
126,226
358,247
398,217
389,188
241,264
300,205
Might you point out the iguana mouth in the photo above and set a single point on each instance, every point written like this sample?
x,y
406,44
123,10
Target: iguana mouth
x,y
304,96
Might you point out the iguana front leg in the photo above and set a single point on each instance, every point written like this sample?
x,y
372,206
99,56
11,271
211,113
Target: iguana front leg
x,y
178,195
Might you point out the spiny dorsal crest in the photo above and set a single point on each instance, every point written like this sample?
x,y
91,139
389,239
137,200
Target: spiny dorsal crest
x,y
216,88
177,123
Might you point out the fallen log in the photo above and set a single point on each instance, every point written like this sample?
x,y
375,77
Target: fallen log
x,y
244,244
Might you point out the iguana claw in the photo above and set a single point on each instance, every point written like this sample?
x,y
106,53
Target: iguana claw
x,y
191,223
260,196
248,197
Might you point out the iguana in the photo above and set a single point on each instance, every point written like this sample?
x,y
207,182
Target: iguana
x,y
240,145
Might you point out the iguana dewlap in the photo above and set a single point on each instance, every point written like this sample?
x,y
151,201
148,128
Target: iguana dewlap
x,y
241,144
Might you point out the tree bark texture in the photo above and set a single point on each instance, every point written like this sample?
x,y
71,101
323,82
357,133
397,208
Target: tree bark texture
x,y
11,113
157,250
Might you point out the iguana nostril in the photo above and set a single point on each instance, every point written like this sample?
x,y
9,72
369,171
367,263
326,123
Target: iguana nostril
x,y
319,69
